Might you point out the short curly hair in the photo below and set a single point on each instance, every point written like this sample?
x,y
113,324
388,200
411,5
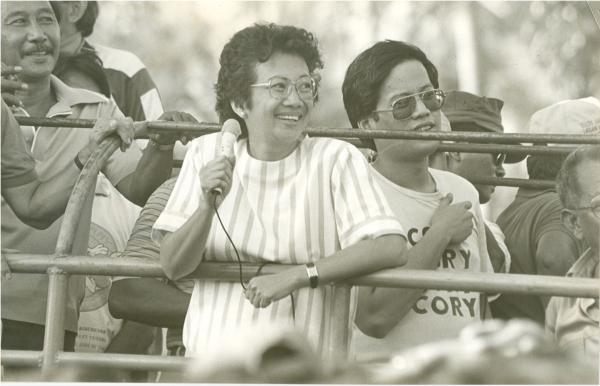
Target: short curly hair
x,y
253,45
369,70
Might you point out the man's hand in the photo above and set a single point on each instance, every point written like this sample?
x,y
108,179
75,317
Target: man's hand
x,y
261,291
217,174
10,84
172,116
455,218
104,127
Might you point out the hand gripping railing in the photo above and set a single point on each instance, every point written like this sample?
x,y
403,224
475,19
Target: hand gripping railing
x,y
60,265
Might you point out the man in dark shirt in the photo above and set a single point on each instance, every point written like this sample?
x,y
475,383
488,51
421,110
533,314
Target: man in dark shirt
x,y
538,241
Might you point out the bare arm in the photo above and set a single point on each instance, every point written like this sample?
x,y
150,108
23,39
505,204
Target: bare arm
x,y
380,309
39,204
387,251
148,301
132,338
153,169
555,254
156,163
181,251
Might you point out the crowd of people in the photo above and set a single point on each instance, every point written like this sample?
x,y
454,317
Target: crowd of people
x,y
317,204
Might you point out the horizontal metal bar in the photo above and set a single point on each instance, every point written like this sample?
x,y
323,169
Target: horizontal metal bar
x,y
21,358
81,265
124,361
515,182
399,278
483,282
197,129
508,149
120,361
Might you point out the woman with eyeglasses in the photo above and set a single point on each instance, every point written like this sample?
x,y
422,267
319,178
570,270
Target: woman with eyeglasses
x,y
286,198
394,86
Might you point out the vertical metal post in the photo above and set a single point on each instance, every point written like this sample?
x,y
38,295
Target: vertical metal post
x,y
58,281
54,335
339,333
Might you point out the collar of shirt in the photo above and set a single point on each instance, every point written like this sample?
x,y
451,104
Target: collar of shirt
x,y
530,193
66,97
585,266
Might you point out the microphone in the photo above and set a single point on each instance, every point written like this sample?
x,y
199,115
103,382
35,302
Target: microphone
x,y
230,132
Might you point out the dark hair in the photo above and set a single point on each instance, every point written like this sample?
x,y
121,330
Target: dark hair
x,y
86,23
54,6
567,181
253,45
369,70
544,167
87,62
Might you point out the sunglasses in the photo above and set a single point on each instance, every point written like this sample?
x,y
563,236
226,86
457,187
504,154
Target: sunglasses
x,y
499,159
404,107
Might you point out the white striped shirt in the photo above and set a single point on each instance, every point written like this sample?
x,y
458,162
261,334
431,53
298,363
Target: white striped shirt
x,y
319,199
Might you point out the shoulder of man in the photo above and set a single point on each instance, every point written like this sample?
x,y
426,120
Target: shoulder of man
x,y
121,60
456,184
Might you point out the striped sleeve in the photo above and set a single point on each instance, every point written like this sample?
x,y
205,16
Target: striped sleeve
x,y
139,244
186,195
360,207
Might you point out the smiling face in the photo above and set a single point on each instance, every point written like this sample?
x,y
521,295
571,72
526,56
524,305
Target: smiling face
x,y
277,121
406,78
30,38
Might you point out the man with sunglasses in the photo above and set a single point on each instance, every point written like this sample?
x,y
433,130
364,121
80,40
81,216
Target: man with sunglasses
x,y
574,321
394,86
473,113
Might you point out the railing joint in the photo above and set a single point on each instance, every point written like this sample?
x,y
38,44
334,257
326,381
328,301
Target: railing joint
x,y
53,270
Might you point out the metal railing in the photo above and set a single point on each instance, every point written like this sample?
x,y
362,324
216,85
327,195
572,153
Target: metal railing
x,y
60,265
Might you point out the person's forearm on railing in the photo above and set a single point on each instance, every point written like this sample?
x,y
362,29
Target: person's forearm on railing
x,y
363,257
148,301
380,309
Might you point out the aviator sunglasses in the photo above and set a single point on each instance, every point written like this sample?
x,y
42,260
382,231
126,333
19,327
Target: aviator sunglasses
x,y
404,107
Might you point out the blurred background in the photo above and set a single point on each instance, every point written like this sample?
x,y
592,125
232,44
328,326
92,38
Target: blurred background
x,y
529,54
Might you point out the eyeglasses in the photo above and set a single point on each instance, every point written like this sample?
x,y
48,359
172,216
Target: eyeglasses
x,y
404,107
595,210
499,159
281,87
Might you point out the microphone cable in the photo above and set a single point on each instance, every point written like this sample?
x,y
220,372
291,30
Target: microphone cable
x,y
231,241
241,278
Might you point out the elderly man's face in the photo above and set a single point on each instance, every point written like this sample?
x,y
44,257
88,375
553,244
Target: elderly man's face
x,y
30,38
589,181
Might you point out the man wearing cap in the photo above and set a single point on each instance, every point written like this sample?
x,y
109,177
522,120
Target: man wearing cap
x,y
470,112
538,241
